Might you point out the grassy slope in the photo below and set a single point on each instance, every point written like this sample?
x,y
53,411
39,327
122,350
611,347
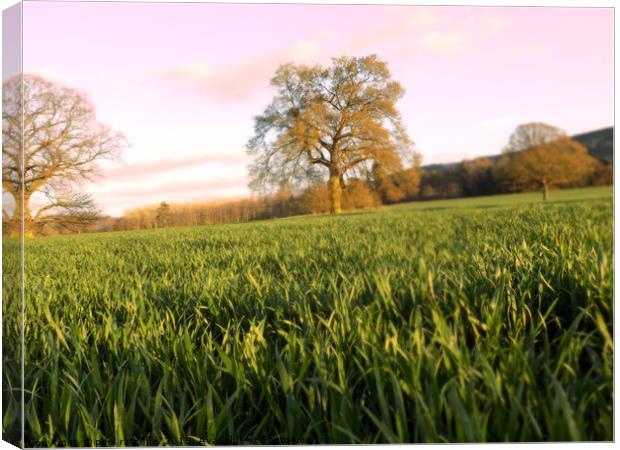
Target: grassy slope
x,y
458,320
493,201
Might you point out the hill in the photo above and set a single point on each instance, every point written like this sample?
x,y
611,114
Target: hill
x,y
600,144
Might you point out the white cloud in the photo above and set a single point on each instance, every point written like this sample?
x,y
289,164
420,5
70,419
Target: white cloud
x,y
494,23
239,80
442,42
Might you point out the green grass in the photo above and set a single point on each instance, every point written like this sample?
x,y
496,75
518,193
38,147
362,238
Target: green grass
x,y
483,319
496,201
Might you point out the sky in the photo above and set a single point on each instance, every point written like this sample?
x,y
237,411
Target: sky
x,y
183,82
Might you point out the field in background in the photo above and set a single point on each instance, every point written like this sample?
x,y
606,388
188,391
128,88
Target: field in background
x,y
497,201
481,319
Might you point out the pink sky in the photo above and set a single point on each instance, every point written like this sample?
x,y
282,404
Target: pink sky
x,y
184,81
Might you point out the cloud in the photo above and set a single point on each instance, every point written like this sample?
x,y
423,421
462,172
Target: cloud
x,y
203,187
237,81
194,71
442,42
494,22
394,26
393,33
126,172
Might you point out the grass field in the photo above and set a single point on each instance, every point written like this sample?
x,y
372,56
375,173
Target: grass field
x,y
485,319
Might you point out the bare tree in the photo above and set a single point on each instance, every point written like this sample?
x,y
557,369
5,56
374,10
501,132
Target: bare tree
x,y
62,142
338,119
532,134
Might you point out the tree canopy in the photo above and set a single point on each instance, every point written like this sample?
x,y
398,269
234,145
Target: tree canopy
x,y
532,134
62,143
337,121
163,215
551,163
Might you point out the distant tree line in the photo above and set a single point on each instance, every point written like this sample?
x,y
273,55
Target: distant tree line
x,y
537,157
286,201
489,176
331,140
477,177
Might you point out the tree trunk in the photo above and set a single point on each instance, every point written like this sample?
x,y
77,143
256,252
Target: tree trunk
x,y
545,190
15,225
335,192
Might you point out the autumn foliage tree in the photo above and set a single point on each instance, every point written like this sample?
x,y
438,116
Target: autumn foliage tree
x,y
544,158
62,143
333,122
358,194
396,186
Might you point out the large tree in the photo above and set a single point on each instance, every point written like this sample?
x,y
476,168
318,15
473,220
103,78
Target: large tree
x,y
329,122
555,163
62,142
